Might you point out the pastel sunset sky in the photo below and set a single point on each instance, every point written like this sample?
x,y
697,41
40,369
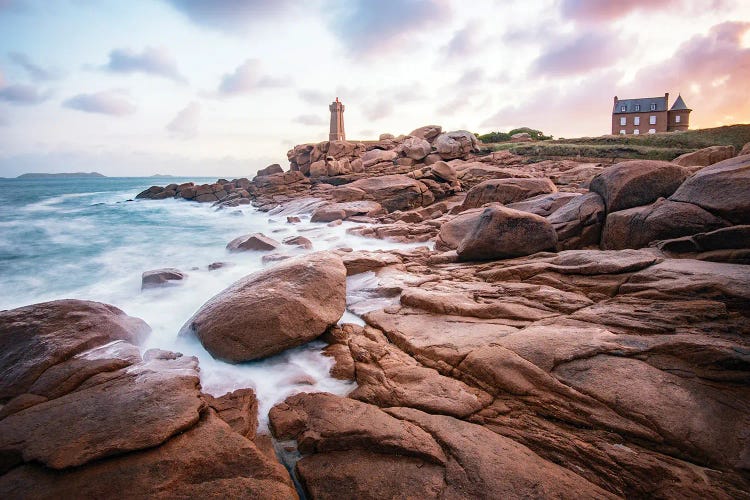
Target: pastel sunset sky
x,y
225,87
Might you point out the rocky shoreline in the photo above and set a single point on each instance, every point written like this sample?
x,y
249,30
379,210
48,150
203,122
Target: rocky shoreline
x,y
580,329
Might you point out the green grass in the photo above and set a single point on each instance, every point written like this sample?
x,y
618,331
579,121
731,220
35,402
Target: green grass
x,y
665,146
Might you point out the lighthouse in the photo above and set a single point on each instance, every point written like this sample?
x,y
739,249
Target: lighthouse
x,y
337,121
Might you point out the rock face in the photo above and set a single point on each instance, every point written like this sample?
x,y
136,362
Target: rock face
x,y
457,144
415,148
395,192
428,132
722,189
506,191
502,233
255,241
160,277
579,222
639,182
272,310
456,229
639,226
335,211
271,169
704,157
101,420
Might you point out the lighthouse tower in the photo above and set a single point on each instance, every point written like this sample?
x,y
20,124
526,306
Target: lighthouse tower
x,y
337,121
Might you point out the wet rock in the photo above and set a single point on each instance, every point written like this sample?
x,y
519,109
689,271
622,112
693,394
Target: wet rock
x,y
292,303
638,182
639,226
502,233
293,220
35,338
721,188
161,277
254,241
300,241
363,261
336,211
218,265
506,191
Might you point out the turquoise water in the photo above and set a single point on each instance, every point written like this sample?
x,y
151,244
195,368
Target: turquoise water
x,y
87,239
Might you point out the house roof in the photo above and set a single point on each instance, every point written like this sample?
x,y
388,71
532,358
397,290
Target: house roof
x,y
679,104
644,102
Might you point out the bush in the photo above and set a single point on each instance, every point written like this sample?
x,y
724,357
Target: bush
x,y
505,136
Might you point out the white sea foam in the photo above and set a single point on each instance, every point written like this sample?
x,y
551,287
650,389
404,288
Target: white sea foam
x,y
97,247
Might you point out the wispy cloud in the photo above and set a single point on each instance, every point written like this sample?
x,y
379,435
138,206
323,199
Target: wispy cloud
x,y
22,94
151,61
113,103
314,97
608,10
231,15
248,77
185,124
366,27
578,53
312,120
36,72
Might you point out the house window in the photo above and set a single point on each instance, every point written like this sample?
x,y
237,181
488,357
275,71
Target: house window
x,y
637,120
652,120
653,107
652,131
677,119
636,132
637,107
622,132
622,109
623,121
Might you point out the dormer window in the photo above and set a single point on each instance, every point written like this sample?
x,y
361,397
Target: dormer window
x,y
653,107
622,109
637,107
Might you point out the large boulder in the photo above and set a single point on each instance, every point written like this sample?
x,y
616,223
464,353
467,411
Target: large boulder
x,y
428,132
456,229
505,191
745,150
415,148
395,192
443,171
638,182
36,337
637,227
272,310
457,144
704,157
722,188
578,223
544,204
502,233
375,156
271,169
254,241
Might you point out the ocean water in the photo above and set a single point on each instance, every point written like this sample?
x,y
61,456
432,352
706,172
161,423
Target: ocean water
x,y
88,239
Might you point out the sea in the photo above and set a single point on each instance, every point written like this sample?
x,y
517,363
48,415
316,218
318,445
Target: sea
x,y
89,238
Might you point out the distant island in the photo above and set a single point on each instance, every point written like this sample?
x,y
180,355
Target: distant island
x,y
64,174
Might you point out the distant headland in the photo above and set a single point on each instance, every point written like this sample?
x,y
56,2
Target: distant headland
x,y
64,174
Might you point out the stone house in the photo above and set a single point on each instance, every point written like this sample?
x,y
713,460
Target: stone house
x,y
649,115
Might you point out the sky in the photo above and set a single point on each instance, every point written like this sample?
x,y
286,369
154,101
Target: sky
x,y
225,87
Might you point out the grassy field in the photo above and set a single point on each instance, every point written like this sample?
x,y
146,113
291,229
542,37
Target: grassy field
x,y
666,146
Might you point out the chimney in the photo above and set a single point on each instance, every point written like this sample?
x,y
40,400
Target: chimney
x,y
615,99
666,99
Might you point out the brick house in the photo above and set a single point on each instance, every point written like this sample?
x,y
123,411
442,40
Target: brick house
x,y
649,115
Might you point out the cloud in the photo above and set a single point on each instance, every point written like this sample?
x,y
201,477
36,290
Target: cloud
x,y
231,15
608,10
23,95
247,77
578,53
185,124
380,109
314,97
111,103
152,61
312,120
36,72
711,71
366,27
464,43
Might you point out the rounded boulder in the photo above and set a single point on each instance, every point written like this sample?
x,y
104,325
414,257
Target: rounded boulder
x,y
272,310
